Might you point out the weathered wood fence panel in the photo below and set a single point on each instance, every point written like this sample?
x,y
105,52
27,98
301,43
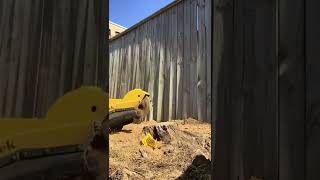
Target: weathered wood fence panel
x,y
246,123
312,95
48,48
168,55
275,47
291,89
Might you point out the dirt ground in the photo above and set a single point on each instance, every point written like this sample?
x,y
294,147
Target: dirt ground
x,y
186,156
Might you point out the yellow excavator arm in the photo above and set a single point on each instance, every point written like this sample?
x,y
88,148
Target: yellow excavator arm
x,y
67,126
131,99
132,108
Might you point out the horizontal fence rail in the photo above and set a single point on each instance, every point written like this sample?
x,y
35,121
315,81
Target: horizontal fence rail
x,y
168,55
46,49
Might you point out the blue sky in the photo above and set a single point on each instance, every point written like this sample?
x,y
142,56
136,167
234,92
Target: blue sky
x,y
129,12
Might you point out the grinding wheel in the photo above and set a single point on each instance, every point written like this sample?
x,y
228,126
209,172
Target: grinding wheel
x,y
143,109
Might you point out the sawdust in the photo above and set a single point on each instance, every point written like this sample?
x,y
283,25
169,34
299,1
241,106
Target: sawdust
x,y
129,159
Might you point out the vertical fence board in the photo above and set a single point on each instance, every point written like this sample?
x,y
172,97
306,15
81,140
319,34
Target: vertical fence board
x,y
90,46
193,60
172,91
208,53
152,68
81,17
291,90
156,65
179,101
186,65
161,69
201,66
23,63
312,131
32,61
13,58
4,51
167,25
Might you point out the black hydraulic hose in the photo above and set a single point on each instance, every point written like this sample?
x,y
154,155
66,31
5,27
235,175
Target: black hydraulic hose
x,y
118,119
122,118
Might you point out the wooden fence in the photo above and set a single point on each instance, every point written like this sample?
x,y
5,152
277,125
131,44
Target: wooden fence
x,y
246,73
168,55
268,105
48,48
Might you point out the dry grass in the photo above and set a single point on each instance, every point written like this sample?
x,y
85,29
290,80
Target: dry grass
x,y
169,161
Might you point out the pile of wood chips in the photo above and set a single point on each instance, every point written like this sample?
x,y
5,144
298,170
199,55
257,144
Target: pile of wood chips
x,y
183,152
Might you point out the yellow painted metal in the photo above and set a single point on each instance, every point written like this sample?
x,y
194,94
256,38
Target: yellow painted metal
x,y
130,100
148,140
68,121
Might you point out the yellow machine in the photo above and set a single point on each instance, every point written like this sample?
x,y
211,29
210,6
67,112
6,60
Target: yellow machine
x,y
67,126
132,108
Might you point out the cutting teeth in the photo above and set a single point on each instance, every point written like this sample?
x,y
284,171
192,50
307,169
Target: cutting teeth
x,y
143,110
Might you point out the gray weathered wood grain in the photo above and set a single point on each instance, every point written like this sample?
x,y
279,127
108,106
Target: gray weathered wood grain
x,y
44,46
163,54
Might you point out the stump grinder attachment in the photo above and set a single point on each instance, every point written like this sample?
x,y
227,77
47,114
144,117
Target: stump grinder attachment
x,y
74,130
133,108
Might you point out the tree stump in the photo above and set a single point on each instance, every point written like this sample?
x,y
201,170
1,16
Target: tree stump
x,y
160,131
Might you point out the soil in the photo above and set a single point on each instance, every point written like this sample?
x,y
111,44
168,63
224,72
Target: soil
x,y
186,155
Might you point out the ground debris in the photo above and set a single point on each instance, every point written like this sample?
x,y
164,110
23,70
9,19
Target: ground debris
x,y
179,145
143,153
121,174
